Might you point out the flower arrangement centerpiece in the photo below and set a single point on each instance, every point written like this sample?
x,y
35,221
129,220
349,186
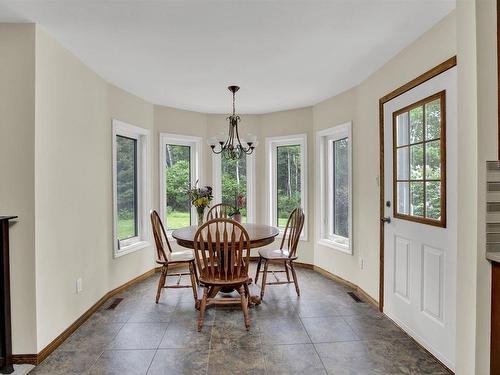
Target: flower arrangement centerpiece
x,y
200,198
239,204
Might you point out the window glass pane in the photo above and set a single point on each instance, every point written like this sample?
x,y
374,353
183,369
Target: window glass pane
x,y
126,186
433,199
178,175
341,187
288,182
433,160
234,183
433,119
416,125
402,129
403,198
417,162
403,163
417,198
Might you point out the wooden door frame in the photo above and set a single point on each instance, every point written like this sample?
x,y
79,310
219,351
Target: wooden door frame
x,y
443,67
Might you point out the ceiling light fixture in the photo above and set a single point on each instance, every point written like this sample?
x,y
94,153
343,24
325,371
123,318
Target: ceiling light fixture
x,y
233,147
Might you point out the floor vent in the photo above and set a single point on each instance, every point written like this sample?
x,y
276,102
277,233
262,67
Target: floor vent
x,y
355,297
115,303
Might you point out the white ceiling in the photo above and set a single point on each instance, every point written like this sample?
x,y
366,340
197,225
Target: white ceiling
x,y
284,54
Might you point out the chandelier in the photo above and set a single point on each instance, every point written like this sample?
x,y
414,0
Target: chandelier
x,y
233,147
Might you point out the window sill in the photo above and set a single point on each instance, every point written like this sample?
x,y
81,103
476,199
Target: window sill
x,y
131,248
335,245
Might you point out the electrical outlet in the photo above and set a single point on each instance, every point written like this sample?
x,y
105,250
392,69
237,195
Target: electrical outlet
x,y
361,263
79,285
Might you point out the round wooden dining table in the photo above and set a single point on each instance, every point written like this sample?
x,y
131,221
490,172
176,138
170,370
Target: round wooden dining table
x,y
258,234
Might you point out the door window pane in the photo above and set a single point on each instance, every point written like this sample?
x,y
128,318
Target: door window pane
x,y
341,187
433,199
234,183
403,163
417,198
126,185
433,160
419,183
288,182
416,125
178,175
402,129
433,120
403,197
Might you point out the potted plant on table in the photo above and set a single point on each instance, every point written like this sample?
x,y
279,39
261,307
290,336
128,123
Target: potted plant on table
x,y
200,198
238,206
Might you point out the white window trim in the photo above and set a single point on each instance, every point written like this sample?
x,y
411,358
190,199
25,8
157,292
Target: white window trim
x,y
323,193
196,144
271,202
143,188
217,183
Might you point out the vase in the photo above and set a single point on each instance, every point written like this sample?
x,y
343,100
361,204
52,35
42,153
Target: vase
x,y
237,218
201,215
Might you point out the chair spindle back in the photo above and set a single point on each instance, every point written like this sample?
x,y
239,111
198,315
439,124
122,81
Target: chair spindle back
x,y
159,235
222,250
293,228
220,211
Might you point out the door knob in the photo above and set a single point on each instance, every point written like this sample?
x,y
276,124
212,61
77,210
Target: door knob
x,y
386,220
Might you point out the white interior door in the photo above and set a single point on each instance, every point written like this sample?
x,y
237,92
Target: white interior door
x,y
420,147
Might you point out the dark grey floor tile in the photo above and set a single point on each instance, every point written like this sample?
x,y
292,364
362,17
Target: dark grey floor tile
x,y
152,313
188,312
283,331
361,309
192,361
393,356
184,334
66,363
233,359
374,327
292,359
122,362
316,308
91,337
233,332
139,336
275,308
328,329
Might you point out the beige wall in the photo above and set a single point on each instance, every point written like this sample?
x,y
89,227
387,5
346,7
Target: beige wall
x,y
71,108
360,105
17,162
74,108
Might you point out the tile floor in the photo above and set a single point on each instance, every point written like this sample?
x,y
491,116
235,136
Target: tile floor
x,y
322,332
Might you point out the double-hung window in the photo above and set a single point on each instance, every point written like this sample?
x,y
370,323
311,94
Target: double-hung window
x,y
286,178
334,160
233,178
130,177
180,162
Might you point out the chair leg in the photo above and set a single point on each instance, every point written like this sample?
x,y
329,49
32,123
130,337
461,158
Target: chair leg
x,y
247,293
194,284
161,282
287,272
296,282
244,306
264,278
195,271
203,306
258,270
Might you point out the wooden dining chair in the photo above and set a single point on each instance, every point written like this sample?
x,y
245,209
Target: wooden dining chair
x,y
220,211
222,252
169,258
285,255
